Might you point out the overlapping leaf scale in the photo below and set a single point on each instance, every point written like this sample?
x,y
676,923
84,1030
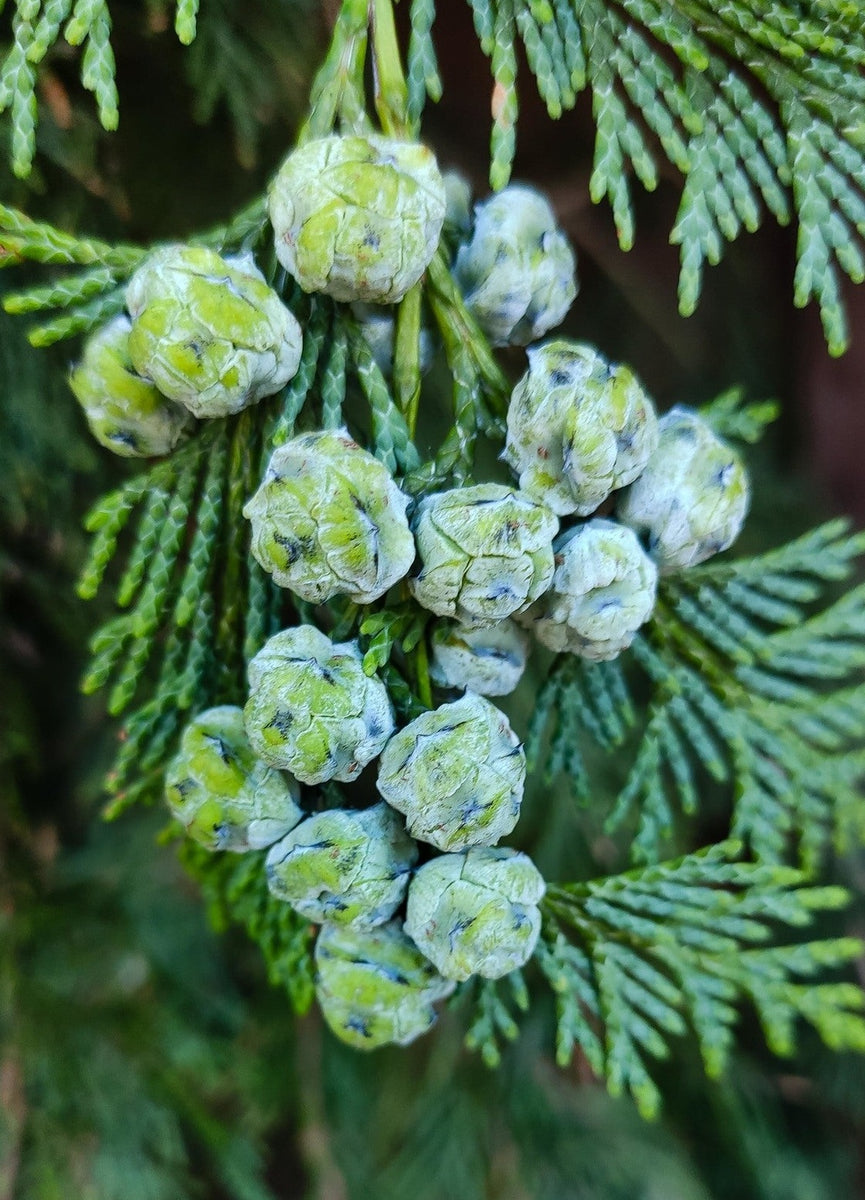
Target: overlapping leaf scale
x,y
637,960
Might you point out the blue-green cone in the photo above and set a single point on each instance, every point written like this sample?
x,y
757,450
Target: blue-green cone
x,y
602,592
225,796
518,271
691,500
579,427
312,710
456,773
374,986
476,913
347,866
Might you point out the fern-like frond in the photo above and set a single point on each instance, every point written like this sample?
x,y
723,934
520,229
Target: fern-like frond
x,y
493,1024
759,107
83,300
37,25
751,681
639,959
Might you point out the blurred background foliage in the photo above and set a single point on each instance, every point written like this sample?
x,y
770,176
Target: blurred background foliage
x,y
143,1055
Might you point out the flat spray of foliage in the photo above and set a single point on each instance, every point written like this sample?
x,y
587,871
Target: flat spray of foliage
x,y
744,684
759,107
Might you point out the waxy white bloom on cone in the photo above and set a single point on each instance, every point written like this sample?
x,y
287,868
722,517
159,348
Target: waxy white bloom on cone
x,y
487,659
692,498
226,797
312,710
578,427
374,986
358,218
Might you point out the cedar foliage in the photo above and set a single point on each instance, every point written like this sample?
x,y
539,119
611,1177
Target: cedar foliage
x,y
745,682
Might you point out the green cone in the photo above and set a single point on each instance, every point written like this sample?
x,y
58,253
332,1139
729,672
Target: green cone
x,y
374,986
226,797
329,520
476,913
208,331
457,774
358,218
126,413
311,708
486,552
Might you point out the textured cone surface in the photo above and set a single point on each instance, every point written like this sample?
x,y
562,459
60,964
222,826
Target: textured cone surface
x,y
208,331
344,866
457,774
489,659
125,412
374,986
311,708
329,520
578,427
358,218
486,552
476,913
518,272
602,592
225,796
692,498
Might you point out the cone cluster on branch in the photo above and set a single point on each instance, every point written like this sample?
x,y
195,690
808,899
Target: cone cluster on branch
x,y
414,893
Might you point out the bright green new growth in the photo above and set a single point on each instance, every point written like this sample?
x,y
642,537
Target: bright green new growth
x,y
346,866
125,413
518,272
457,774
476,913
691,500
209,331
329,520
602,592
486,552
578,427
358,218
374,986
225,796
311,708
489,659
